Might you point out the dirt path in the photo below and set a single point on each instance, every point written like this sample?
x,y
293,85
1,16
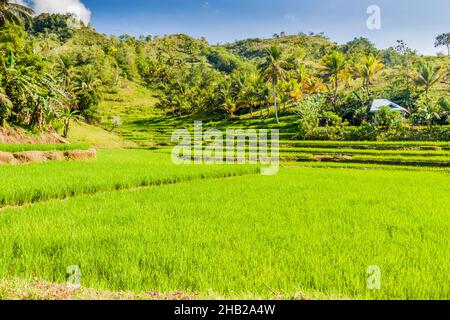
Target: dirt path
x,y
42,290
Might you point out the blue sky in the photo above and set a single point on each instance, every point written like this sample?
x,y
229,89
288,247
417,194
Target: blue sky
x,y
415,21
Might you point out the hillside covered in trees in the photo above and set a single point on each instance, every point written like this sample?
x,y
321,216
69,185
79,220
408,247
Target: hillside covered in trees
x,y
54,70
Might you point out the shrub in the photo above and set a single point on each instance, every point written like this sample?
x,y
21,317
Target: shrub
x,y
365,132
388,120
309,112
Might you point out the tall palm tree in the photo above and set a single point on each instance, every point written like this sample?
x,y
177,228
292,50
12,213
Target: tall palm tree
x,y
227,98
257,93
14,13
87,87
273,71
64,72
334,65
427,75
369,66
88,80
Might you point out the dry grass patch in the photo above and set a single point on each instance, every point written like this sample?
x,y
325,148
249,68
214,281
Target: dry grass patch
x,y
81,155
54,156
42,290
30,156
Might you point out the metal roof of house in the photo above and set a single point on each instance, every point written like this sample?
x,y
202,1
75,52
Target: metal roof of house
x,y
379,103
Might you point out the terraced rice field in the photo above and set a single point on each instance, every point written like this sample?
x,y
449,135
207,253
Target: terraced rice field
x,y
134,222
113,170
155,133
209,232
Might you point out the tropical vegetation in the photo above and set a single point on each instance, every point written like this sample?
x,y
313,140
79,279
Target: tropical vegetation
x,y
356,189
54,70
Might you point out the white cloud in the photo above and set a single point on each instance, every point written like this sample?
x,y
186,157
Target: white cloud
x,y
75,7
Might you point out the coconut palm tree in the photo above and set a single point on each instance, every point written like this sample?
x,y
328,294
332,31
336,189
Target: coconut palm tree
x,y
427,75
88,80
273,71
368,67
13,12
257,93
87,87
227,98
65,73
334,65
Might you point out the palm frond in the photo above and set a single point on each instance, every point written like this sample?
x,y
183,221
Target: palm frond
x,y
15,13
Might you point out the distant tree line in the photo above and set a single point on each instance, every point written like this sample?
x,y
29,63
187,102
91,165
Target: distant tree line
x,y
54,70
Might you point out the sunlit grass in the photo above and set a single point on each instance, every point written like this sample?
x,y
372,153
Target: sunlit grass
x,y
306,230
113,170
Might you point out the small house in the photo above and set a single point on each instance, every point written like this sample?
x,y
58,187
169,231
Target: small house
x,y
380,103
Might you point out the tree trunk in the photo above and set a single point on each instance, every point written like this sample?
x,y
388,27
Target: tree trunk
x,y
66,128
275,102
336,86
336,90
38,118
368,88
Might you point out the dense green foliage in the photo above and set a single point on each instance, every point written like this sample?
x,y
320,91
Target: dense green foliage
x,y
54,26
58,70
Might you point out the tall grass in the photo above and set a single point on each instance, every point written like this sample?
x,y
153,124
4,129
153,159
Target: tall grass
x,y
113,170
314,231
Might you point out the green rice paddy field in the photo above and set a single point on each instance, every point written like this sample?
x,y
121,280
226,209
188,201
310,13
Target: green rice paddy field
x,y
134,222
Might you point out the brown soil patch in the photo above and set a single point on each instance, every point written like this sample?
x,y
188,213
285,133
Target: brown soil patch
x,y
337,157
20,136
44,156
